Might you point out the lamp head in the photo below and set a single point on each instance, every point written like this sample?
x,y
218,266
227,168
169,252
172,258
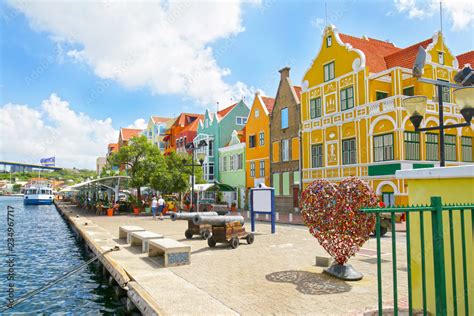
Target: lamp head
x,y
416,109
202,143
464,98
200,157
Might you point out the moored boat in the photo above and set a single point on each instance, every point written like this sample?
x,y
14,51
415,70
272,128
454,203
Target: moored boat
x,y
38,191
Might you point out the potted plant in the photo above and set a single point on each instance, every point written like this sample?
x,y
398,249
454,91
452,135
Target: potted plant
x,y
135,204
187,204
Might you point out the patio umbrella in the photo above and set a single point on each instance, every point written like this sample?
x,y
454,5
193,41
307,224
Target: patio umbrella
x,y
220,187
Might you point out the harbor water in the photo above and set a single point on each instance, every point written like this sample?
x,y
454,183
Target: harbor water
x,y
44,249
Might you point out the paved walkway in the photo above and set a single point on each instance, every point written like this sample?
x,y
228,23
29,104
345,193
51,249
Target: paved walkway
x,y
275,275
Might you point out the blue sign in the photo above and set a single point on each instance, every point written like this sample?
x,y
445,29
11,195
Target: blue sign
x,y
262,201
48,162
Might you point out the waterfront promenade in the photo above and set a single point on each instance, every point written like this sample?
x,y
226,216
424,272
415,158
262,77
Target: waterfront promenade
x,y
275,275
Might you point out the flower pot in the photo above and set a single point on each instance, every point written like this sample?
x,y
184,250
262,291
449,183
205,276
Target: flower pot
x,y
233,208
136,210
110,212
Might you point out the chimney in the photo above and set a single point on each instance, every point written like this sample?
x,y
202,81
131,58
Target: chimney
x,y
285,72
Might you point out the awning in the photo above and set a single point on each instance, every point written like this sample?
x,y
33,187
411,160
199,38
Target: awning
x,y
166,138
217,186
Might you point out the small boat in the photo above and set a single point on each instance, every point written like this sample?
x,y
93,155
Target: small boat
x,y
38,191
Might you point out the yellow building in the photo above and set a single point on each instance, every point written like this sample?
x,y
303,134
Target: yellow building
x,y
257,145
353,119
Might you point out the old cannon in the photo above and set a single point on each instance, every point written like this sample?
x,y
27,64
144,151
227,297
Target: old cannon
x,y
225,229
204,230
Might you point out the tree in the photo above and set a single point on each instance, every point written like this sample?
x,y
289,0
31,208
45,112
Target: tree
x,y
140,159
16,187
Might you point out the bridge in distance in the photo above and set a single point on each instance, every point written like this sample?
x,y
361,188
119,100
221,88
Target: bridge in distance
x,y
23,167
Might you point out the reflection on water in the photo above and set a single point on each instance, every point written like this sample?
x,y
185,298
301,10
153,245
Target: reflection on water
x,y
46,248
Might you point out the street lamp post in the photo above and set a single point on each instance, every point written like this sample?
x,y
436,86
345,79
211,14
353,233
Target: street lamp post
x,y
464,95
201,156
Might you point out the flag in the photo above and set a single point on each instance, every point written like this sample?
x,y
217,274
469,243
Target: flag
x,y
48,162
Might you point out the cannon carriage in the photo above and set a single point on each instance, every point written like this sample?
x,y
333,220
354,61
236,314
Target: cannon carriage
x,y
225,229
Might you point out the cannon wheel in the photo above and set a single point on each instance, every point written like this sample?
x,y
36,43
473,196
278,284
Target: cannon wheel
x,y
211,242
234,242
250,238
189,234
205,234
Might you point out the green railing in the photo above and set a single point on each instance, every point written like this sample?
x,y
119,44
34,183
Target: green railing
x,y
436,242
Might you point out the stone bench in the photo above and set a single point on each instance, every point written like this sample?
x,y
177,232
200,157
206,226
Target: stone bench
x,y
141,239
175,253
124,231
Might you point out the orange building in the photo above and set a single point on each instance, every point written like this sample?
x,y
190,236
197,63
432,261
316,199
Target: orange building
x,y
257,145
126,134
181,132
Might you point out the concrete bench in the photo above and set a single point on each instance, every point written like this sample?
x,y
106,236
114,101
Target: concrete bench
x,y
124,231
175,253
141,239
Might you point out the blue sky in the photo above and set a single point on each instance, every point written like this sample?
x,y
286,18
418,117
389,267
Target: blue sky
x,y
45,51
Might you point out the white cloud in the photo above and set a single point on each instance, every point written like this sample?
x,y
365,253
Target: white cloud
x,y
54,129
164,46
139,123
460,13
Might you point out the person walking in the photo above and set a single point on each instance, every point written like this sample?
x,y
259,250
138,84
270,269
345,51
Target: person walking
x,y
154,206
161,206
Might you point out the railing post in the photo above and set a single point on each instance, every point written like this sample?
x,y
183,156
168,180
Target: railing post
x,y
438,255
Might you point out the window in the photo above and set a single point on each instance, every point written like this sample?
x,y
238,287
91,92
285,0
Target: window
x,y
285,150
412,146
252,168
446,93
349,151
211,171
466,148
184,141
276,183
450,147
379,95
207,123
383,147
162,130
441,58
388,199
252,141
257,113
240,161
239,120
232,162
262,168
329,41
284,118
329,71
261,138
317,156
432,146
224,163
211,148
315,108
409,91
285,188
347,98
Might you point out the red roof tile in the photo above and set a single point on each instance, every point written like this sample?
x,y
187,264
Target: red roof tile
x,y
269,103
466,58
222,113
298,92
375,50
406,57
113,147
128,133
187,118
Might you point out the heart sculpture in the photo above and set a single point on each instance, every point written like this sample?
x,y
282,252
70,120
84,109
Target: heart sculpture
x,y
331,212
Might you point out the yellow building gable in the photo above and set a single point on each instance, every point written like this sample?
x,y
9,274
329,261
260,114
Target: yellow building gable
x,y
257,145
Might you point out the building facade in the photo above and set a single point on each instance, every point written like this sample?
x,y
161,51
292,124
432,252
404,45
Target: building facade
x,y
216,130
125,135
156,131
352,115
285,126
232,168
181,132
257,144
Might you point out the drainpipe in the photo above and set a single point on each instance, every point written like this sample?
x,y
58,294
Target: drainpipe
x,y
300,162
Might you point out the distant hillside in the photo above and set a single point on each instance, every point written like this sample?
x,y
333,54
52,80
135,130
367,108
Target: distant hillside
x,y
69,176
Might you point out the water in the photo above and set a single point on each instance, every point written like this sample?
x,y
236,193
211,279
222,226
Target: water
x,y
45,248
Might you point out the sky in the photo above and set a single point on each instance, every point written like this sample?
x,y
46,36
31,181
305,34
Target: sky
x,y
73,73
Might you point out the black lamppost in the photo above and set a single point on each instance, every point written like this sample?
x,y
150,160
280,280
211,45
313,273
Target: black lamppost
x,y
201,156
464,95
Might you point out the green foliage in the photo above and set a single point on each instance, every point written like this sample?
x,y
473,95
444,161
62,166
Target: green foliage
x,y
16,187
69,176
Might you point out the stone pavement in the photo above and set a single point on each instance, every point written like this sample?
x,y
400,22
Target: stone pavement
x,y
275,275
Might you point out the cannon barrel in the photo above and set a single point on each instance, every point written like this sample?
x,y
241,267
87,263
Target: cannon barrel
x,y
189,216
216,220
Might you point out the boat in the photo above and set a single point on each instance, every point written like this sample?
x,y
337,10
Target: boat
x,y
38,191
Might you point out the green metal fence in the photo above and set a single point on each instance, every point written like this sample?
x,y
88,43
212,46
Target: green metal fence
x,y
436,242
